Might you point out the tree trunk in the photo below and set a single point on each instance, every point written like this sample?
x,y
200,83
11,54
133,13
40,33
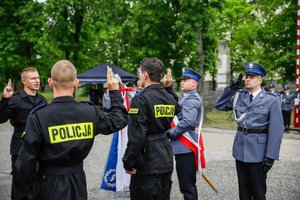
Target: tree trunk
x,y
78,25
201,67
201,61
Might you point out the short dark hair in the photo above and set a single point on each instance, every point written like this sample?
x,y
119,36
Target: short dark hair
x,y
154,67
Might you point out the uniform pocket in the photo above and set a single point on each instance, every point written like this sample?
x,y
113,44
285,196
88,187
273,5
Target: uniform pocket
x,y
262,140
261,114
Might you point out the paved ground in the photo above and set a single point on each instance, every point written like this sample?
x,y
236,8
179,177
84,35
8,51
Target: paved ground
x,y
283,179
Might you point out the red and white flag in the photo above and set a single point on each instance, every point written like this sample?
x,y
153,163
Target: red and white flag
x,y
196,147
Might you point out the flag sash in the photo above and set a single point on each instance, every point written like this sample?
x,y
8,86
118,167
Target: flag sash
x,y
196,147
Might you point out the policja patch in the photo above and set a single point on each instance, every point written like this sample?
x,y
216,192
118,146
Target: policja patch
x,y
133,111
164,110
68,132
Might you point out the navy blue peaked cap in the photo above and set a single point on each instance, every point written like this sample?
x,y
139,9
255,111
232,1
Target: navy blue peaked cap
x,y
271,85
189,73
253,68
286,87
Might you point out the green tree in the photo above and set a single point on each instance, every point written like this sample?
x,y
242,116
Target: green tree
x,y
196,42
237,24
262,31
278,37
19,32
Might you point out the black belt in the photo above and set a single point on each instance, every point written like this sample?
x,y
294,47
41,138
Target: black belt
x,y
252,130
152,137
61,170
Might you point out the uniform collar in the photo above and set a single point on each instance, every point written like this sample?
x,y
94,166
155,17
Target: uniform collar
x,y
24,94
192,91
255,93
154,86
62,99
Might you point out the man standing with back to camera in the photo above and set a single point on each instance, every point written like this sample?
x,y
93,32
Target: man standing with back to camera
x,y
148,157
59,136
16,107
260,130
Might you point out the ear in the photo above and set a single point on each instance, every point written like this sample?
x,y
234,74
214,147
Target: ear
x,y
145,75
50,83
195,83
75,84
23,81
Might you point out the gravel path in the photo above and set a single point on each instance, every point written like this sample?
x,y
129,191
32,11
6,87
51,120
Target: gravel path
x,y
283,179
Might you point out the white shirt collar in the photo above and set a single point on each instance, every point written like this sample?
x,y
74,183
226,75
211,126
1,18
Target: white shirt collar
x,y
255,93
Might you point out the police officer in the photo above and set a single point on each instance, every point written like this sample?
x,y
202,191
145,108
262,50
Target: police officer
x,y
287,104
16,107
94,94
59,136
188,120
259,135
148,156
271,88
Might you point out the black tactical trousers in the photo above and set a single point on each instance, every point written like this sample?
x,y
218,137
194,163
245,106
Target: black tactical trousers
x,y
150,187
13,182
286,115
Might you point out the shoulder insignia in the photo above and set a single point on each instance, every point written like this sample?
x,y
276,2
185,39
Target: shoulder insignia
x,y
37,108
133,111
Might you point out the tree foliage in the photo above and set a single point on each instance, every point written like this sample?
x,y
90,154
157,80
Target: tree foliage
x,y
183,33
19,33
262,31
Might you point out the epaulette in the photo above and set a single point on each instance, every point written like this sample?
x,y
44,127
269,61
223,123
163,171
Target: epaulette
x,y
273,94
88,102
242,90
37,108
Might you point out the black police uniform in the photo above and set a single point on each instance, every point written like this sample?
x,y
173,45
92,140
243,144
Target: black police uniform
x,y
17,109
58,138
148,149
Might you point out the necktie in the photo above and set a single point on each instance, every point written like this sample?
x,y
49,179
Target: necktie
x,y
251,97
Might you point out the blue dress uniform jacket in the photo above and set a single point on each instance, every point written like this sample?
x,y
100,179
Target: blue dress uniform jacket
x,y
58,138
189,118
287,101
262,113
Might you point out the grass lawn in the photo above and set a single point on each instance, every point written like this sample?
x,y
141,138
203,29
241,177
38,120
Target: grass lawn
x,y
219,119
49,96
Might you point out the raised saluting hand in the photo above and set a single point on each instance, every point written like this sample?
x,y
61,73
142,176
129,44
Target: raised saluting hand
x,y
8,90
112,82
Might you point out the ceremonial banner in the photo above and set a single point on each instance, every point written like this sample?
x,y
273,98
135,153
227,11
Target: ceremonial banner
x,y
114,177
109,176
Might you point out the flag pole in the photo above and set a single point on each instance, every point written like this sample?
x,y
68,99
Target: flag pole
x,y
209,182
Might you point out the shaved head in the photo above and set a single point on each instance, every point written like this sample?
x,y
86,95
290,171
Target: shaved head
x,y
63,74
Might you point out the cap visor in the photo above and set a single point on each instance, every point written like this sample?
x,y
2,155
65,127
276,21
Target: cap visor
x,y
253,73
